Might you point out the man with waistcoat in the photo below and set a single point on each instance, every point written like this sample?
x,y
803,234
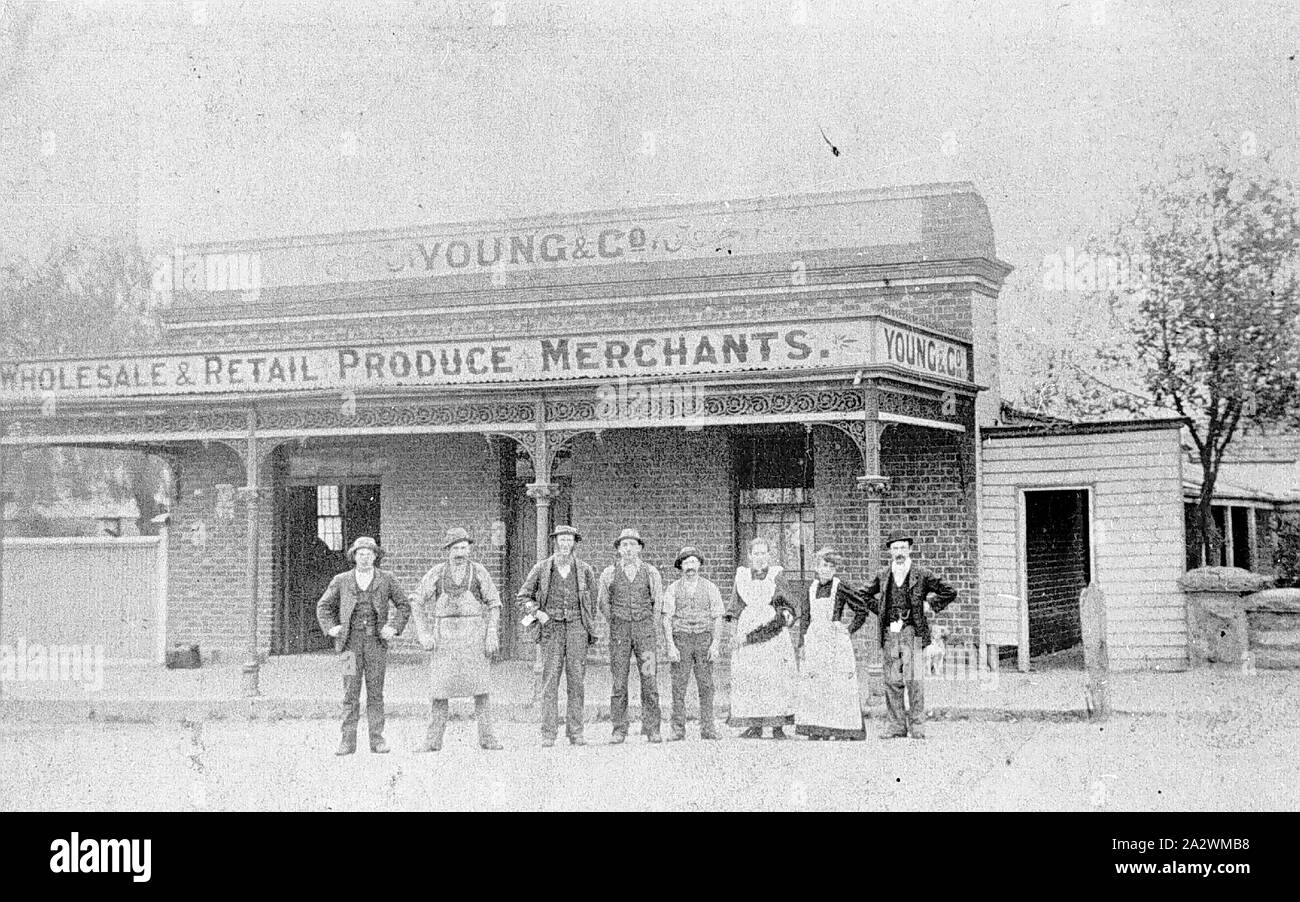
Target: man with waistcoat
x,y
692,612
629,597
355,612
904,595
559,595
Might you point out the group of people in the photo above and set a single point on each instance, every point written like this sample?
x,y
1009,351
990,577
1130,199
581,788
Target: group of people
x,y
792,659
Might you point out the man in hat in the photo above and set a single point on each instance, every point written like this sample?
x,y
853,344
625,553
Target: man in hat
x,y
904,595
560,592
692,612
457,616
355,612
629,597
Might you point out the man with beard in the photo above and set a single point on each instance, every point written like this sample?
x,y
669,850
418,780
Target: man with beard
x,y
560,592
692,612
904,596
457,616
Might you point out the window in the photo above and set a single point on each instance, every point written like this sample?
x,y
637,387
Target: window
x,y
775,481
329,516
1232,523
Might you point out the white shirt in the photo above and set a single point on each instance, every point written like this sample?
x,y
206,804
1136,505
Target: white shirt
x,y
365,579
900,573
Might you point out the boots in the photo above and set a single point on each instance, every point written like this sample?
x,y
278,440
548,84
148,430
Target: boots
x,y
437,726
483,712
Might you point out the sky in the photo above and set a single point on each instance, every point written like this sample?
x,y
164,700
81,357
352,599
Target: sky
x,y
181,122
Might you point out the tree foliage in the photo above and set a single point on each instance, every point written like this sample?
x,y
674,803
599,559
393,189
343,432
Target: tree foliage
x,y
86,298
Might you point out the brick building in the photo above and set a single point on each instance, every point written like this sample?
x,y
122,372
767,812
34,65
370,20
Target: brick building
x,y
811,369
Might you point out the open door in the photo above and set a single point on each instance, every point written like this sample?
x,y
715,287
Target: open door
x,y
319,520
1058,565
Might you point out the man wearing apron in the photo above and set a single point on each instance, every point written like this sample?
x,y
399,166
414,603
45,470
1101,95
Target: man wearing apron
x,y
457,616
904,596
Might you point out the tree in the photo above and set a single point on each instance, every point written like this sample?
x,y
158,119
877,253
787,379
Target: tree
x,y
1214,319
82,298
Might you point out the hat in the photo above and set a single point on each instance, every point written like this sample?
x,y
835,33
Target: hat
x,y
688,551
364,542
899,535
567,530
455,536
629,533
830,556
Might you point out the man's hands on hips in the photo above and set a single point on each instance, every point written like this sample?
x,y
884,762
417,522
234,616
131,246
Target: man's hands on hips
x,y
336,631
388,634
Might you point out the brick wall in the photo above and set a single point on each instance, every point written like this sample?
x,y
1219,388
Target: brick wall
x,y
673,485
207,582
931,494
427,484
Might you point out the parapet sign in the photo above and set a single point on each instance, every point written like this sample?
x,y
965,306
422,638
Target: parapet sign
x,y
838,344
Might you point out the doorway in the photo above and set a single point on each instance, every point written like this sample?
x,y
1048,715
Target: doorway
x,y
1058,565
319,520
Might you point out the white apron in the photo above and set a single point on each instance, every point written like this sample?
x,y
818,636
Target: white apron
x,y
763,674
828,702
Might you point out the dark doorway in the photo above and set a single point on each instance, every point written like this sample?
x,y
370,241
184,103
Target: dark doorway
x,y
774,499
521,537
318,523
1058,550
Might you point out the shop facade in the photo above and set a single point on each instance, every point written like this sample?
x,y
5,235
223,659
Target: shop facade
x,y
807,369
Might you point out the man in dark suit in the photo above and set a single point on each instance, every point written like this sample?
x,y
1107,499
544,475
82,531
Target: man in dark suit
x,y
355,613
904,596
559,593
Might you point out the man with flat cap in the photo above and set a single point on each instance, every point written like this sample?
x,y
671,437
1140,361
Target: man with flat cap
x,y
904,595
560,594
355,612
457,612
629,597
692,612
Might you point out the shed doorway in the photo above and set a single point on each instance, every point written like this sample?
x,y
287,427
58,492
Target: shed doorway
x,y
1058,565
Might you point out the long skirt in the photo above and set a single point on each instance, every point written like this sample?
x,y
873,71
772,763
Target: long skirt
x,y
459,665
828,702
763,679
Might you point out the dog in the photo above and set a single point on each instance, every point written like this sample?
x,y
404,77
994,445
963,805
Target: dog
x,y
936,650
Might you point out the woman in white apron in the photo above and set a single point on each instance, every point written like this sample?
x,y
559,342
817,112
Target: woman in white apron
x,y
457,610
828,703
763,668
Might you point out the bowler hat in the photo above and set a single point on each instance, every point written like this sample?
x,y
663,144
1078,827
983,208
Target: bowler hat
x,y
831,556
688,551
899,535
567,530
364,542
455,536
629,533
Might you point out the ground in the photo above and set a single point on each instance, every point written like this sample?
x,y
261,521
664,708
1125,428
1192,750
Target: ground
x,y
1224,761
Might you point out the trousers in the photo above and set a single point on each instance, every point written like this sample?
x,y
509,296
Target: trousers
x,y
693,652
904,662
629,638
364,659
564,650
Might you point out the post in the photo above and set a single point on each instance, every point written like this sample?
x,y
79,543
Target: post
x,y
541,491
875,486
1096,657
249,493
160,603
4,500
